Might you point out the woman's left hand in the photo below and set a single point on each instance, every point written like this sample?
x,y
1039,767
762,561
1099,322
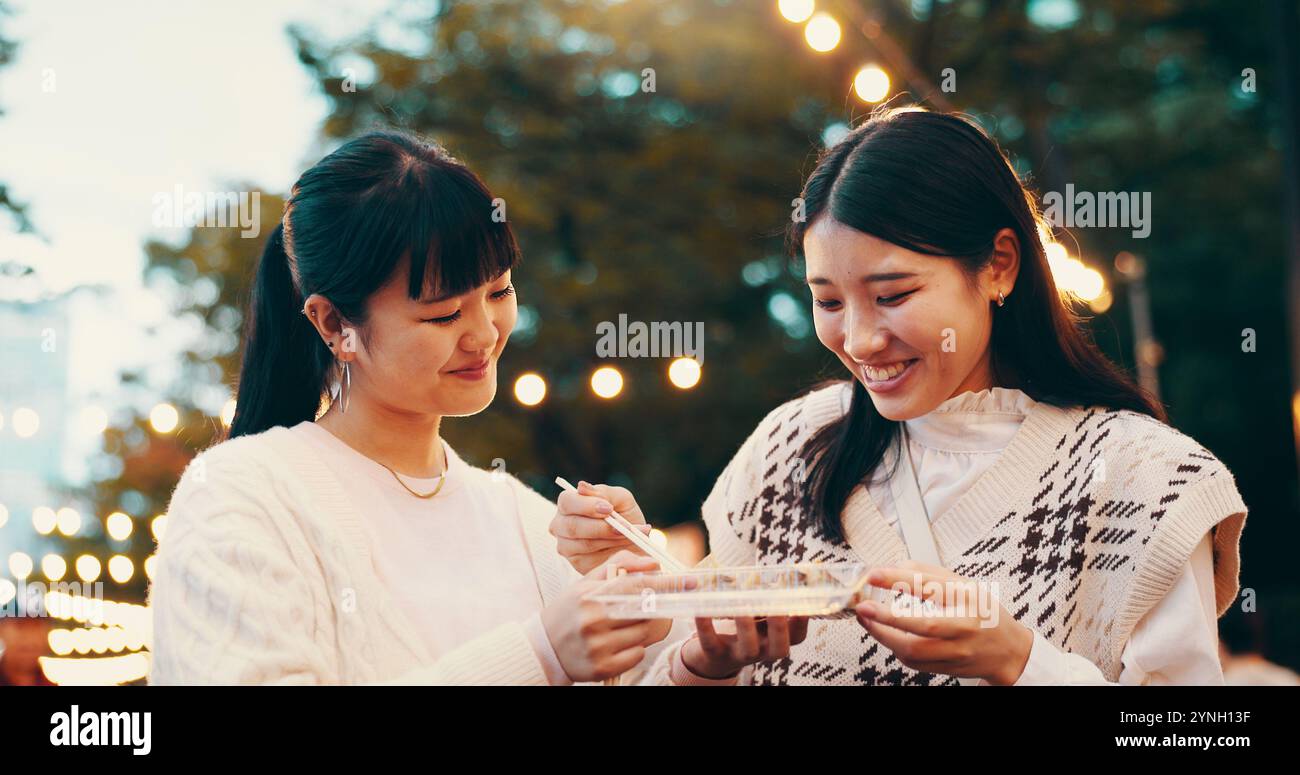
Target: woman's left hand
x,y
961,630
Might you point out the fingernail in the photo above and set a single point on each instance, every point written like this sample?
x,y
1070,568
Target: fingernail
x,y
867,609
583,483
645,528
604,508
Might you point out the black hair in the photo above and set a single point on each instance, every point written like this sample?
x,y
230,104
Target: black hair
x,y
350,220
937,184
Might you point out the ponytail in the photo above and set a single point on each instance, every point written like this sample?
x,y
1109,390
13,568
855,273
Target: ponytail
x,y
284,364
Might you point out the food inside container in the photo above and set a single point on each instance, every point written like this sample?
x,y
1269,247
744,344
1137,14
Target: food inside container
x,y
818,590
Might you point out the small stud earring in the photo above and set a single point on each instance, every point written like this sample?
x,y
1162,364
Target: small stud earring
x,y
1002,299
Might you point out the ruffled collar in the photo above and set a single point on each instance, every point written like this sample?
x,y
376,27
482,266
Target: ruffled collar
x,y
974,421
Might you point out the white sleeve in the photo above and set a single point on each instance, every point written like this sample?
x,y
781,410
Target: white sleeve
x,y
1176,642
229,604
239,598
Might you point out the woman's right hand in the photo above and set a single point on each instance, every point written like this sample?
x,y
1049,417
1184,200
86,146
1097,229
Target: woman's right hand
x,y
590,645
581,534
711,654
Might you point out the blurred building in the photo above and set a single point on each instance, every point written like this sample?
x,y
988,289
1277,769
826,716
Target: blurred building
x,y
33,395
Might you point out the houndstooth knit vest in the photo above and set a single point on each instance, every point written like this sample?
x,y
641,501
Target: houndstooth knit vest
x,y
1085,522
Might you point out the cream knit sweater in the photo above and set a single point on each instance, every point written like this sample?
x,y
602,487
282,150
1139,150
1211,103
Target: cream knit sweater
x,y
1085,522
264,575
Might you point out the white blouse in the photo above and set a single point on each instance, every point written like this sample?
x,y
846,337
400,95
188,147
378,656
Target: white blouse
x,y
1176,642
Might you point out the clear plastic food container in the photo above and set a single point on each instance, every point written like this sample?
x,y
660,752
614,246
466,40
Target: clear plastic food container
x,y
816,590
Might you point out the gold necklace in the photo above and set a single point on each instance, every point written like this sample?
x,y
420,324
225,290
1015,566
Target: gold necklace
x,y
441,481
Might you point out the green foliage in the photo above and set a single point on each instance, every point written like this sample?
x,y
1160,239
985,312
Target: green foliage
x,y
669,206
16,209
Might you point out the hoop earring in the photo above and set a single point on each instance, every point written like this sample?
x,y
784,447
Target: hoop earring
x,y
345,392
341,388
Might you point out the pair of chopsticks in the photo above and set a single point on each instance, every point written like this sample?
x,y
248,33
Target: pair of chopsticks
x,y
629,531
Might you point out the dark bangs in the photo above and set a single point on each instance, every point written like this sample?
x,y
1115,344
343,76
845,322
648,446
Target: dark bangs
x,y
411,198
456,246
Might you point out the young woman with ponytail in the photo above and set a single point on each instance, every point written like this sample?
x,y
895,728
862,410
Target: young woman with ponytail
x,y
1078,538
356,546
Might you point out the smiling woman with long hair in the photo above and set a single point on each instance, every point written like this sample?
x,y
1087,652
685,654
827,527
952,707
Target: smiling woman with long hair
x,y
356,546
980,426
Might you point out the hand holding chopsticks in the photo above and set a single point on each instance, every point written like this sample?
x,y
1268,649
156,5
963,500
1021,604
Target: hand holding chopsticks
x,y
568,527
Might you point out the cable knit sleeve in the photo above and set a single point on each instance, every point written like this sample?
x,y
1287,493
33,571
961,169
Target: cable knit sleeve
x,y
239,595
233,601
500,657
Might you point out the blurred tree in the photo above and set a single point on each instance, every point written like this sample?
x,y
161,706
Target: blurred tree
x,y
206,280
660,205
8,48
648,154
543,100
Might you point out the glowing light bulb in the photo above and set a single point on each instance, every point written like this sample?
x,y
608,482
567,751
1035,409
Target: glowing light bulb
x,y
530,389
607,382
822,32
684,373
796,11
871,83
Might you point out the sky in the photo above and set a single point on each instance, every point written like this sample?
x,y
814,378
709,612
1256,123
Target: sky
x,y
108,104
